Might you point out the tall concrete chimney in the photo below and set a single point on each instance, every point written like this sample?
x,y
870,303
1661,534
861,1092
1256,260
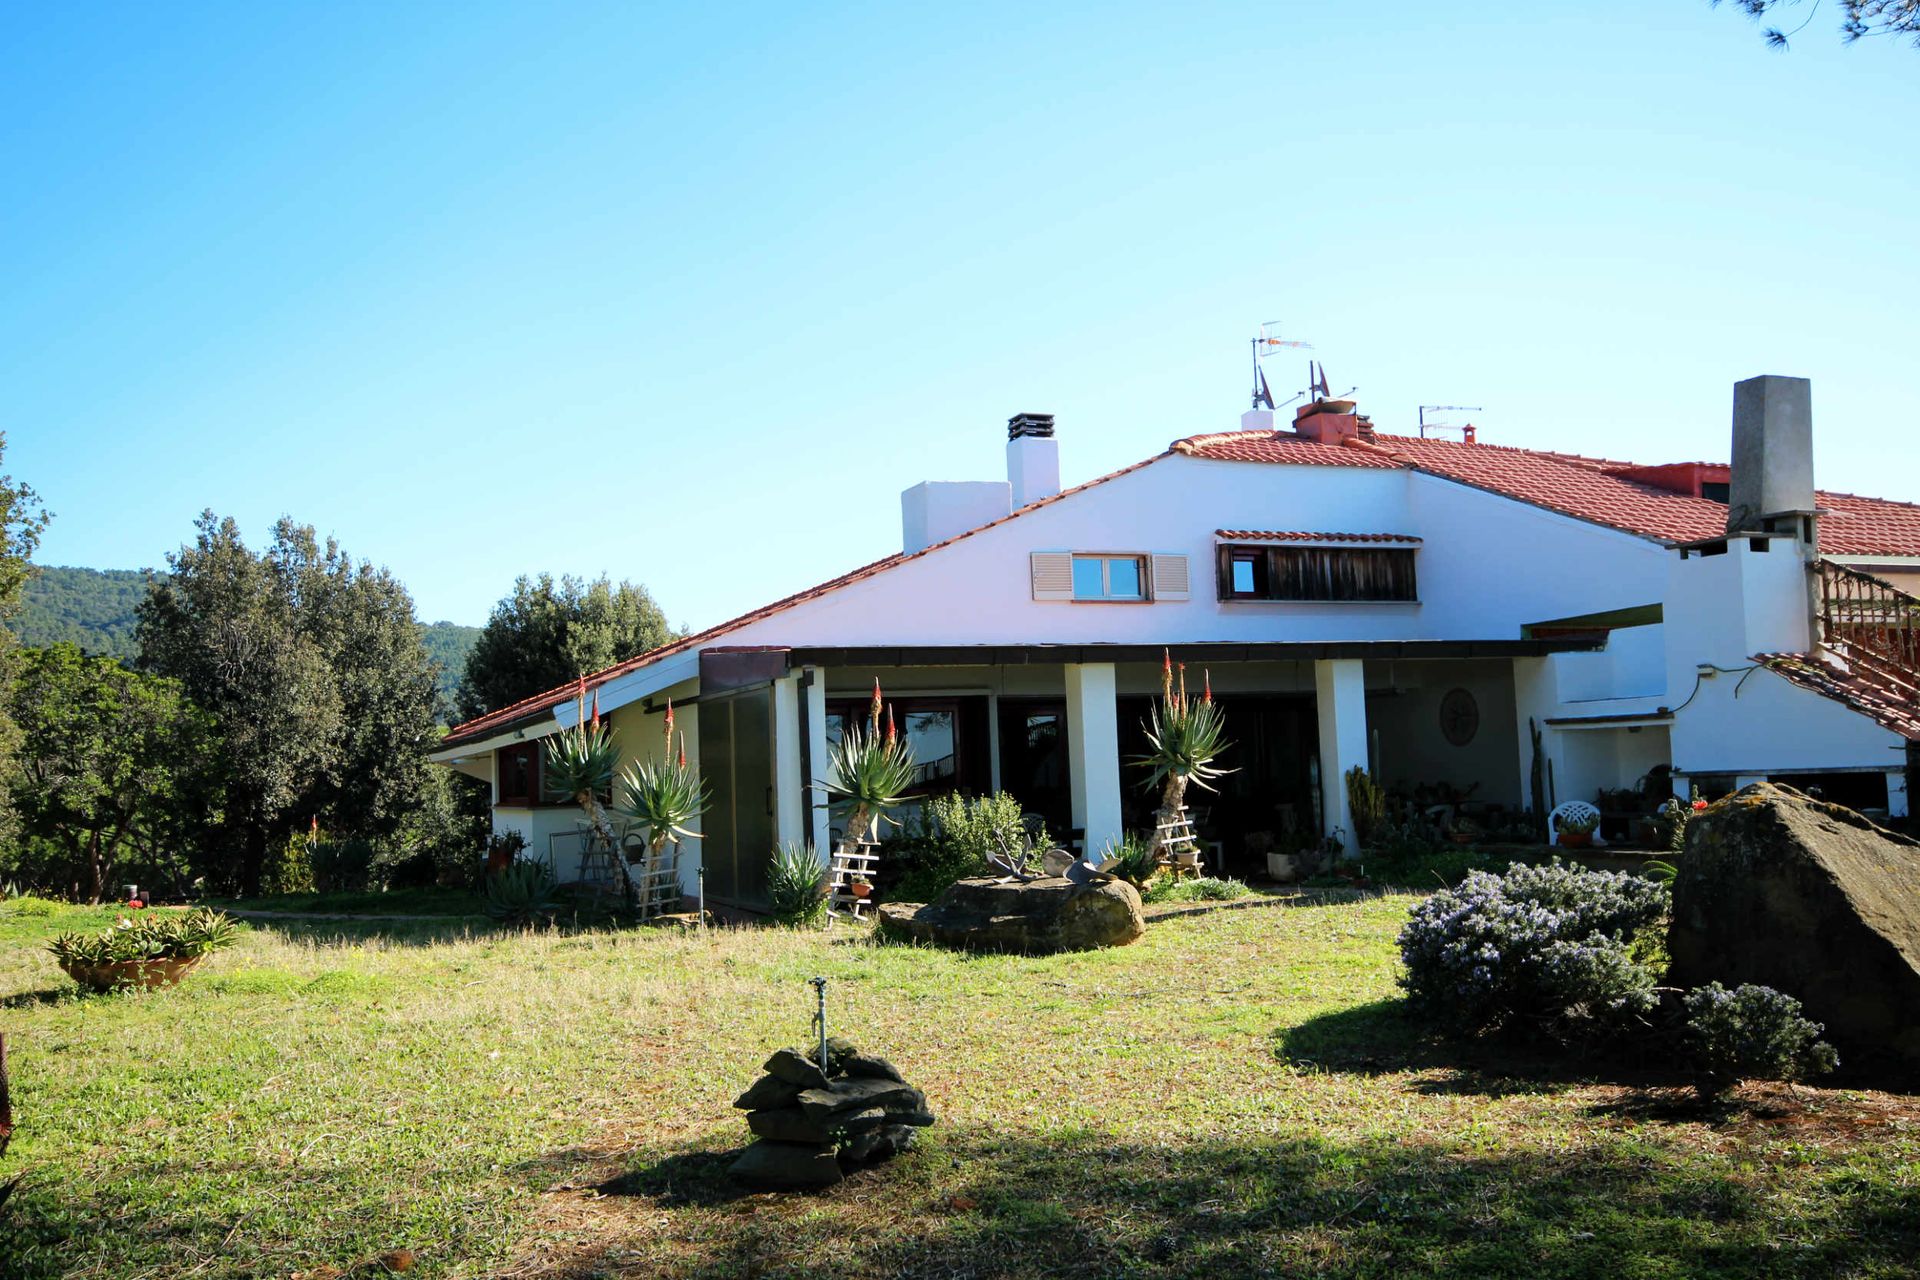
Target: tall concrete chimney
x,y
1033,458
1772,450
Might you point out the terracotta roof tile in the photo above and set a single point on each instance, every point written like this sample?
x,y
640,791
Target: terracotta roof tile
x,y
1875,691
1270,535
1572,484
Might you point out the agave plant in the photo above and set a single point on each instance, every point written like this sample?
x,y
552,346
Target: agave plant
x,y
796,885
870,772
152,937
579,767
521,894
1187,735
664,797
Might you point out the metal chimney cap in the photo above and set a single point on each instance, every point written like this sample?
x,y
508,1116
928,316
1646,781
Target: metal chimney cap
x,y
1030,424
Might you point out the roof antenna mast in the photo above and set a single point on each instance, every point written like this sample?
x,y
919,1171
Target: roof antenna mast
x,y
1426,409
1269,340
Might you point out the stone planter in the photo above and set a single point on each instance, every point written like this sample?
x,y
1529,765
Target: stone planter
x,y
130,973
1283,867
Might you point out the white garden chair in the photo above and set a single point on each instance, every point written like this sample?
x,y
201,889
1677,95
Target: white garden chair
x,y
1579,810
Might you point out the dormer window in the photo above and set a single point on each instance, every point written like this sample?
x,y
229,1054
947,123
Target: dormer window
x,y
1311,568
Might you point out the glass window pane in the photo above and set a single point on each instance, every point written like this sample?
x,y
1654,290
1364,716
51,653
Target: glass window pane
x,y
1123,578
1087,583
1243,577
931,735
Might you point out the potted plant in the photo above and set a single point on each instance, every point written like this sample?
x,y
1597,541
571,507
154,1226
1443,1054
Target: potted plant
x,y
1466,831
155,952
1576,830
860,887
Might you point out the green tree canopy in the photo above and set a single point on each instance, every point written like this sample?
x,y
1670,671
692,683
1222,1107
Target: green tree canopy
x,y
112,762
547,633
22,519
314,667
1858,18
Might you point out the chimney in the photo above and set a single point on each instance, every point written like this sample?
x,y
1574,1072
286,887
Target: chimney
x,y
1772,450
1328,421
1033,458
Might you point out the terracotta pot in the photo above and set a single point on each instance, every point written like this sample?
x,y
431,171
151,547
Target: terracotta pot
x,y
1461,837
861,890
130,973
1576,839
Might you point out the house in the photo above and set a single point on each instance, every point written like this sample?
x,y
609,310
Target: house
x,y
1418,606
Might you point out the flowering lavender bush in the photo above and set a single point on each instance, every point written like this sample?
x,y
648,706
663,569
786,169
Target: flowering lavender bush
x,y
1752,1033
1544,947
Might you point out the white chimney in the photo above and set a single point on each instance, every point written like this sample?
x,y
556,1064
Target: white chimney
x,y
1772,450
1033,458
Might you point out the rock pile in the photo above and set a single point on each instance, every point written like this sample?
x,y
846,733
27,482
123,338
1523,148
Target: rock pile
x,y
1034,917
813,1127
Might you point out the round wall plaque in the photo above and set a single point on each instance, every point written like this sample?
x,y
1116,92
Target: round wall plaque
x,y
1459,717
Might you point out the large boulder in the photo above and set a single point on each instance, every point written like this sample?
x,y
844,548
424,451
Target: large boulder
x,y
1032,916
1783,890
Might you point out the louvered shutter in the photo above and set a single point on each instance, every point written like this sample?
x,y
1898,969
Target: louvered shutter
x,y
1170,577
1052,575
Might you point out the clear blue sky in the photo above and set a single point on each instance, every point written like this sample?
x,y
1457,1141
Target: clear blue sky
x,y
689,297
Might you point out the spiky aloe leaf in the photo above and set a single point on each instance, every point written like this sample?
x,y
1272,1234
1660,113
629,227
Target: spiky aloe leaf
x,y
1186,737
580,762
663,799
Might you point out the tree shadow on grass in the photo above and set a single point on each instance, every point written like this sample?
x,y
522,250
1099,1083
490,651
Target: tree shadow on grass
x,y
974,1203
32,999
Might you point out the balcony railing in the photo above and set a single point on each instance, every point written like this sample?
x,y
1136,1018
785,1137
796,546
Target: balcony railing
x,y
1876,620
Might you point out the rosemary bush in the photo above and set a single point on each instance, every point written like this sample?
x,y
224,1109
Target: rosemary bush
x,y
1751,1033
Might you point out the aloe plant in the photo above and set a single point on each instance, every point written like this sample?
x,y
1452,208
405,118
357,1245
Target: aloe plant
x,y
1186,735
664,797
579,767
870,772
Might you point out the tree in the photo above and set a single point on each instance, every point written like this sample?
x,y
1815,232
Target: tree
x,y
113,761
22,519
1857,18
314,668
548,633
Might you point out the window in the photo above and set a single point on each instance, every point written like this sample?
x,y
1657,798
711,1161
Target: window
x,y
931,726
1109,578
519,774
1331,574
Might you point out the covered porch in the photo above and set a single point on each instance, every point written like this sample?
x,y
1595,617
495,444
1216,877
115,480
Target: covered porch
x,y
1056,726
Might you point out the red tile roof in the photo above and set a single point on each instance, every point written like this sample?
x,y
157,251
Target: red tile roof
x,y
528,708
1269,535
1587,488
1885,696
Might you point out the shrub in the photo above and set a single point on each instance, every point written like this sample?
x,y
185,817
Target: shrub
x,y
1553,948
796,886
289,867
1367,802
522,894
1136,861
341,866
1203,889
1751,1033
951,838
157,936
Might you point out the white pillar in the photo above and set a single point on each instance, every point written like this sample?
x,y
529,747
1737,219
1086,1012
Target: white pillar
x,y
1093,753
1340,694
789,826
817,798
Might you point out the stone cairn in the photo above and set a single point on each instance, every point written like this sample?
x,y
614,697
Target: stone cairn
x,y
813,1127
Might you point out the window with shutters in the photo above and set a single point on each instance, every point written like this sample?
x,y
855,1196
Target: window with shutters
x,y
1109,577
1333,574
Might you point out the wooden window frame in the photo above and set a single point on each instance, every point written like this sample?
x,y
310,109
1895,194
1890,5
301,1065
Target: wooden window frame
x,y
1280,563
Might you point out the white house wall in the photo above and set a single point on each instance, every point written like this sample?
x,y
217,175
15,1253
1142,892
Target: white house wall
x,y
1487,566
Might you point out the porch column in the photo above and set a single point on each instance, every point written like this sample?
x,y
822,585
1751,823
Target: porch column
x,y
789,826
1340,696
817,797
1093,753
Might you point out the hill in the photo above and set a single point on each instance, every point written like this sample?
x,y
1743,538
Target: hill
x,y
94,609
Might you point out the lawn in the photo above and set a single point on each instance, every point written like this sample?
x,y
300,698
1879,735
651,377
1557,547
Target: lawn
x,y
1233,1096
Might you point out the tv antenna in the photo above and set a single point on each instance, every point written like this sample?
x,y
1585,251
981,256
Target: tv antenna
x,y
1425,409
1269,340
